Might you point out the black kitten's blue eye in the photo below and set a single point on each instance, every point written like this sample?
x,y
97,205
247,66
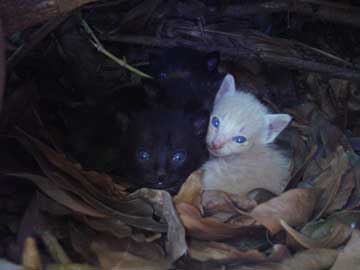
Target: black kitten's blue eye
x,y
143,155
240,139
215,122
162,75
179,156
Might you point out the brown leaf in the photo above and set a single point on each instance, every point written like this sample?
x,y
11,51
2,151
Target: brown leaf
x,y
337,233
117,255
349,258
114,226
191,190
208,228
218,201
215,251
354,200
31,256
68,177
312,259
60,196
163,205
334,186
294,206
348,217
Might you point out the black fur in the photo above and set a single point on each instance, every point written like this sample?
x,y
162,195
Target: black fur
x,y
162,134
188,80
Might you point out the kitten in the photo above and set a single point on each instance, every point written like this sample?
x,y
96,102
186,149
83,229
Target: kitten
x,y
163,148
188,79
240,136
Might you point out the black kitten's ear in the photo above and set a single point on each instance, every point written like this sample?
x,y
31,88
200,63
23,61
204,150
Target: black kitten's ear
x,y
200,122
212,61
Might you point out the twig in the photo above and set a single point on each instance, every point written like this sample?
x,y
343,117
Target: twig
x,y
55,249
2,65
18,15
247,51
72,266
97,44
324,10
36,38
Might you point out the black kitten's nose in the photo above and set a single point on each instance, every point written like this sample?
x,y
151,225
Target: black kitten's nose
x,y
161,179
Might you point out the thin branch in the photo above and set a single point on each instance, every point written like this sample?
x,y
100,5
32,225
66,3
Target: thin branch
x,y
2,65
35,39
323,10
252,49
98,45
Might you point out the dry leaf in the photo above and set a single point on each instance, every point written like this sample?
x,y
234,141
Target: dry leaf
x,y
312,259
349,258
334,187
337,233
163,205
60,196
31,256
218,201
115,255
215,251
191,190
208,228
294,206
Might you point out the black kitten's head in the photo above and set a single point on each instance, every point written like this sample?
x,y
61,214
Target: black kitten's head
x,y
189,78
163,148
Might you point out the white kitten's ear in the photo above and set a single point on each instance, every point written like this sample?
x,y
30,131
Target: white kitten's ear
x,y
275,123
227,87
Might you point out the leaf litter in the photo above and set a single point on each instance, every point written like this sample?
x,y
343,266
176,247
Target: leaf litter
x,y
313,224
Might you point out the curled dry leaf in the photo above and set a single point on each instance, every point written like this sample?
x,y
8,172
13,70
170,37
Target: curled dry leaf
x,y
114,226
311,259
60,196
191,190
208,228
349,258
354,200
294,206
214,251
219,201
164,207
332,236
335,183
68,178
348,217
31,256
116,255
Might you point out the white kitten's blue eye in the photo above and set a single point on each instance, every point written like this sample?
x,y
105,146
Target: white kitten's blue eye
x,y
143,155
215,122
240,139
179,157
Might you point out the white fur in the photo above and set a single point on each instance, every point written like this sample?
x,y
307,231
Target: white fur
x,y
236,167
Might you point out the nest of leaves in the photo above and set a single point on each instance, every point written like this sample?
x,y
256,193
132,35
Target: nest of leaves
x,y
84,216
148,228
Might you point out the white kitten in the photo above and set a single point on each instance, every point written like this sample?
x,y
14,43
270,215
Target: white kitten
x,y
239,138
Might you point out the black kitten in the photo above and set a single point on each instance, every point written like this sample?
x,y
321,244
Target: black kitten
x,y
187,78
163,148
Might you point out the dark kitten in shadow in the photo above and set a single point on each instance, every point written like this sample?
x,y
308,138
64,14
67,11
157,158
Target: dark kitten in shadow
x,y
163,148
185,79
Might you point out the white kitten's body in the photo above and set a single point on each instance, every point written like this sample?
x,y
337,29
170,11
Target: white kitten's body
x,y
256,163
263,167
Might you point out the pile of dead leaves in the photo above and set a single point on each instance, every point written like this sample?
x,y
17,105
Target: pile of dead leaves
x,y
311,225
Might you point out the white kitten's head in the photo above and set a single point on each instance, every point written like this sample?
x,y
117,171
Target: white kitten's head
x,y
239,121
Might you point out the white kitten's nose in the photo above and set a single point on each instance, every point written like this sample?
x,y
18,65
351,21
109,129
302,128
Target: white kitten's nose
x,y
216,145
